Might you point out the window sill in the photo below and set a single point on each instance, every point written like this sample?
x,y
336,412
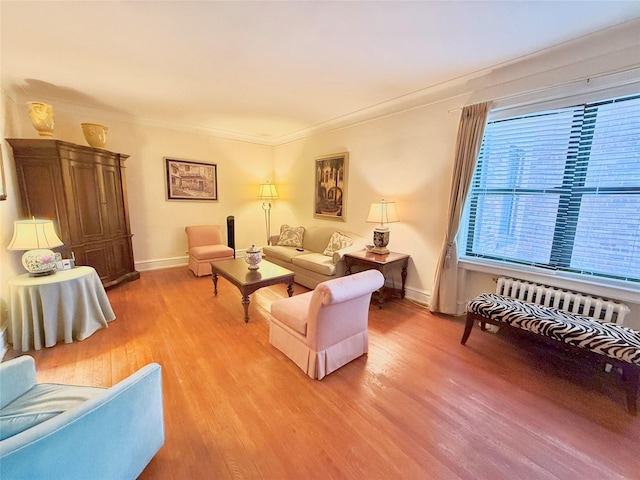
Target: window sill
x,y
617,290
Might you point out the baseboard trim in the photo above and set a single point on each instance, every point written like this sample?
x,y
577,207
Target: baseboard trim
x,y
419,296
160,263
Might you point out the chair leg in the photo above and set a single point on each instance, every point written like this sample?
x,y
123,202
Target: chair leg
x,y
467,329
631,380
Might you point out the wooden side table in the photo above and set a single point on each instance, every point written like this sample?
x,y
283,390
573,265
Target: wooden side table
x,y
382,263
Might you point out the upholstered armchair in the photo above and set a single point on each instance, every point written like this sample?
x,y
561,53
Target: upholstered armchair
x,y
205,245
324,329
77,432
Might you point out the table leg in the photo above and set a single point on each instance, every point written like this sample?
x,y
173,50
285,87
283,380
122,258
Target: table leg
x,y
290,289
214,277
245,304
347,264
404,279
380,298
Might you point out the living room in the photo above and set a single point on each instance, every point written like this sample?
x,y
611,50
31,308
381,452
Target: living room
x,y
401,149
412,167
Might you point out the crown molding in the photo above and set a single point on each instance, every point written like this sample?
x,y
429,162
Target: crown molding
x,y
608,51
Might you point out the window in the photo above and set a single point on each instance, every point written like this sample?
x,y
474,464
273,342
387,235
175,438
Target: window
x,y
561,190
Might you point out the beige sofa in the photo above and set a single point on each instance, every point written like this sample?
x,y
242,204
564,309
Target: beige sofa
x,y
308,262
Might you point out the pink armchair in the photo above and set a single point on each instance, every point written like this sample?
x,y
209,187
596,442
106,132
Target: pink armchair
x,y
205,245
326,328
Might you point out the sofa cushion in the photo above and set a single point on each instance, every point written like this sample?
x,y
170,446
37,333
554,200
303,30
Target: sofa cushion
x,y
286,254
291,236
209,252
293,311
316,238
338,241
316,262
40,403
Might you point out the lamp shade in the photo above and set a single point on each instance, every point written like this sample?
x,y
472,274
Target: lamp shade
x,y
267,192
383,212
36,237
33,234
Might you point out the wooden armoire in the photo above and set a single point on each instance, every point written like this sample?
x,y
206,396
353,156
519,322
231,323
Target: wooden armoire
x,y
82,189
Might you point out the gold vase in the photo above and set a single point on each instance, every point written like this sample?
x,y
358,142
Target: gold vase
x,y
95,134
41,115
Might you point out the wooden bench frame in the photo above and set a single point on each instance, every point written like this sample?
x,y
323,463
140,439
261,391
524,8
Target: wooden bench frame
x,y
630,372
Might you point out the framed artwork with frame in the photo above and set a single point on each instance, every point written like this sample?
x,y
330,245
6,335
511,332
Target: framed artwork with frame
x,y
191,180
331,186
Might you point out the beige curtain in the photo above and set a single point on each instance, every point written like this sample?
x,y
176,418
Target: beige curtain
x,y
470,132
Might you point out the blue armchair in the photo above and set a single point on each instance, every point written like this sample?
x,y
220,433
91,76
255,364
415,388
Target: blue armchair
x,y
78,432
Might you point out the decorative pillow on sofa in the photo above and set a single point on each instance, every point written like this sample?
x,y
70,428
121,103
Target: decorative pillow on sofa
x,y
290,236
338,241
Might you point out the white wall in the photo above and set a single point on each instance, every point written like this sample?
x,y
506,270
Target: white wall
x,y
406,158
9,264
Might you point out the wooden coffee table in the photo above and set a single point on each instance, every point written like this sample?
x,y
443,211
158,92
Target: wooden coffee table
x,y
237,271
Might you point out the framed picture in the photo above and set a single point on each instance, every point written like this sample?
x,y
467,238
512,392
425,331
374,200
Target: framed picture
x,y
189,180
331,186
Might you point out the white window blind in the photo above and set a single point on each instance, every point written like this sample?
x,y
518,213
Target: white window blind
x,y
560,189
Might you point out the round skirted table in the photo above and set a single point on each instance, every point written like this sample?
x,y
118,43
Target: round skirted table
x,y
67,305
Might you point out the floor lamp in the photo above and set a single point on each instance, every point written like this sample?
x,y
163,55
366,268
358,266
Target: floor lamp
x,y
267,193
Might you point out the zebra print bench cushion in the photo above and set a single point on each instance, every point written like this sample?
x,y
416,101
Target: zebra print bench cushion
x,y
608,339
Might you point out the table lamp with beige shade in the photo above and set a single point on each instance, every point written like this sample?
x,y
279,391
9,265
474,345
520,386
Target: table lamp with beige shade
x,y
382,212
37,237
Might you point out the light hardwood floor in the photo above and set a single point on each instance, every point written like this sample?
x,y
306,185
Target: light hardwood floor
x,y
419,406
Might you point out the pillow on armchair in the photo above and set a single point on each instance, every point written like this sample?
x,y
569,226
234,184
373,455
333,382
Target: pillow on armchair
x,y
291,236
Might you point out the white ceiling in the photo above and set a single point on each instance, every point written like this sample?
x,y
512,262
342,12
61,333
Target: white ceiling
x,y
266,69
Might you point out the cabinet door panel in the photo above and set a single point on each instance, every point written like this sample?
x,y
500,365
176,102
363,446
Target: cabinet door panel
x,y
96,255
87,201
41,198
122,256
114,214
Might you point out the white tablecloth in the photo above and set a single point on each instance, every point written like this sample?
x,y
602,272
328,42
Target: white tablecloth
x,y
70,304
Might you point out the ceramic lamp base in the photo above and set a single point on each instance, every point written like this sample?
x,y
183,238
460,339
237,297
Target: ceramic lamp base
x,y
380,241
39,262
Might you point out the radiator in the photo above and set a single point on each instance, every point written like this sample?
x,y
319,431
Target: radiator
x,y
573,302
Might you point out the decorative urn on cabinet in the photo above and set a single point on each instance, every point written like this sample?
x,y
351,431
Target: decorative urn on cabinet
x,y
95,134
41,115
